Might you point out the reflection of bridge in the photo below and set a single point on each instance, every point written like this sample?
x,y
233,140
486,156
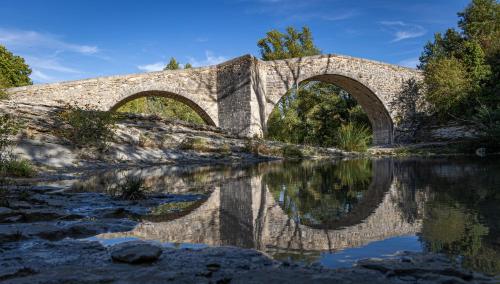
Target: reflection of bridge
x,y
239,95
242,212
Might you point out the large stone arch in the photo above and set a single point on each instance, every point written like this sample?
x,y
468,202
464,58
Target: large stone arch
x,y
373,84
166,94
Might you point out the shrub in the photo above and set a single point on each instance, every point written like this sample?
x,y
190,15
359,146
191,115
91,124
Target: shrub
x,y
132,189
87,128
197,144
16,168
291,152
8,127
353,137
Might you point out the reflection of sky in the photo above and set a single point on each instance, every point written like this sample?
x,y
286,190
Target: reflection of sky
x,y
379,249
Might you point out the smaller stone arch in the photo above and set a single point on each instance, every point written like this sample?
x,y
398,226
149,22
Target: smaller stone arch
x,y
156,93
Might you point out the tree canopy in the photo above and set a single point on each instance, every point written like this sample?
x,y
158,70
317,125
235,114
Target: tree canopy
x,y
462,67
277,45
14,72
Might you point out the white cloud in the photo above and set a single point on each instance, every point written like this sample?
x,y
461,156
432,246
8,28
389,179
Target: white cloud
x,y
410,62
201,39
210,59
38,75
51,64
157,66
32,39
402,30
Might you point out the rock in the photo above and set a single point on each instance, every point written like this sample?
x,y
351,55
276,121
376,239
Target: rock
x,y
5,211
135,252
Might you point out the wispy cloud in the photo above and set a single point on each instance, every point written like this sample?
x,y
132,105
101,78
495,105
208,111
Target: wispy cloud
x,y
39,76
409,62
290,10
210,59
157,66
51,64
402,30
33,39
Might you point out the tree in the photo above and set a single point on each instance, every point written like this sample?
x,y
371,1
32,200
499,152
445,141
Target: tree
x,y
461,67
481,21
172,65
188,66
14,72
277,45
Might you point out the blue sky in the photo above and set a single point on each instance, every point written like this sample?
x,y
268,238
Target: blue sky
x,y
68,40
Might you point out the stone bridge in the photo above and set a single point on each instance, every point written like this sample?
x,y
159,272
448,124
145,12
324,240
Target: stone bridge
x,y
239,95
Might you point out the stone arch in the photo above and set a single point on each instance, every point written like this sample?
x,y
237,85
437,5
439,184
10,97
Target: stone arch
x,y
378,114
166,94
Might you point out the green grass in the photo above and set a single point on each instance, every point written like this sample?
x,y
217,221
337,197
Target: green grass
x,y
291,152
353,137
16,168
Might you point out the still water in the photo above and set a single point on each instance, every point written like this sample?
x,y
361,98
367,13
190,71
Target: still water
x,y
331,212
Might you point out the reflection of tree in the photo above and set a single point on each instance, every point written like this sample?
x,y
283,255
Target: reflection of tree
x,y
314,194
461,215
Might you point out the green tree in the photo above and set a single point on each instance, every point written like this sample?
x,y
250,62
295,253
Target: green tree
x,y
14,72
188,66
277,45
462,68
172,65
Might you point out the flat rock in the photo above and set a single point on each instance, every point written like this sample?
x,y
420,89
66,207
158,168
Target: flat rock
x,y
135,252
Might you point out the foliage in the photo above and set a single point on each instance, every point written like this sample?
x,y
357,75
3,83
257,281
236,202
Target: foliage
x,y
461,68
354,137
199,144
172,65
277,45
16,168
132,189
291,152
3,86
14,72
188,66
9,165
86,127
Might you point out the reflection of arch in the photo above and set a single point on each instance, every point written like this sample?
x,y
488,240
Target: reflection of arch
x,y
367,98
374,195
202,113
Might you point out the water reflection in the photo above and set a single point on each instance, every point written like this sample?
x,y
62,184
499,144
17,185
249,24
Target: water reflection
x,y
333,211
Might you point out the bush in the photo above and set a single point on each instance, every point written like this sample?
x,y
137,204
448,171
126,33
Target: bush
x,y
353,137
291,152
8,128
87,128
16,168
197,144
132,189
